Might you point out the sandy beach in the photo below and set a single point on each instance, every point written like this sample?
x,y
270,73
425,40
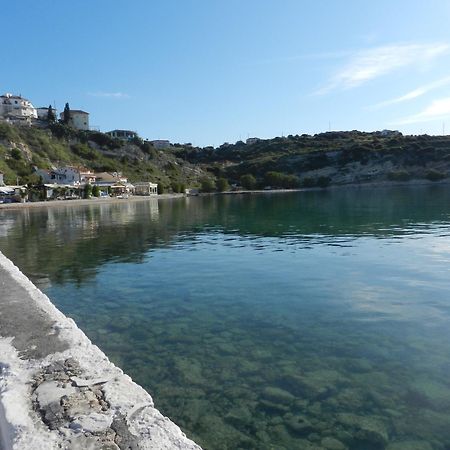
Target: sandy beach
x,y
85,201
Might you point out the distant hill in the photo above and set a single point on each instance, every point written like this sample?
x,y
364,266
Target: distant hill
x,y
282,162
328,158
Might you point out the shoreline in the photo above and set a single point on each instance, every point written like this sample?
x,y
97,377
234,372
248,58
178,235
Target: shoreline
x,y
58,390
137,198
86,201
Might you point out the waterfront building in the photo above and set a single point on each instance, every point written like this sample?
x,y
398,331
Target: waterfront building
x,y
78,119
109,179
145,188
123,135
72,176
15,108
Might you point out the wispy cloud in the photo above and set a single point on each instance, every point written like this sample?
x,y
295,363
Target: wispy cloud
x,y
305,56
117,95
418,92
436,110
372,63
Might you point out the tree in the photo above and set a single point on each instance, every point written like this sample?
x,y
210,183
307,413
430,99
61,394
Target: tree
x,y
66,114
323,181
207,185
248,181
87,191
160,189
51,118
223,185
273,179
96,191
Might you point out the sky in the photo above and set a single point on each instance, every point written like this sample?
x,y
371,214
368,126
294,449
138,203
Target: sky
x,y
214,71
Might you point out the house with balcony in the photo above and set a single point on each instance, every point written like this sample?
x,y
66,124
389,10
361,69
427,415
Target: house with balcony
x,y
71,176
16,109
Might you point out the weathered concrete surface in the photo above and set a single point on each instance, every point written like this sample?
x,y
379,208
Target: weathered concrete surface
x,y
58,390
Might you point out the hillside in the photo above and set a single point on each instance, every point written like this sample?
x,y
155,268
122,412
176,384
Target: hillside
x,y
328,158
23,148
286,162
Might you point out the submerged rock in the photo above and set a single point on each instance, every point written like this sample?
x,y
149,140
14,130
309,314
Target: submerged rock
x,y
365,429
299,425
277,395
332,444
409,445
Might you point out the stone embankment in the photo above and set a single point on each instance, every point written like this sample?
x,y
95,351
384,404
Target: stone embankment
x,y
59,391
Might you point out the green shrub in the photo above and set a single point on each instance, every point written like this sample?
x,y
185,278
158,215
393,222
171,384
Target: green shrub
x,y
16,154
207,185
434,175
323,181
400,175
87,191
223,185
248,181
308,182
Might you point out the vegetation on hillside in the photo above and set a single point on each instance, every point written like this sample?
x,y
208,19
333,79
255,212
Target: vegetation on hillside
x,y
286,162
24,148
326,158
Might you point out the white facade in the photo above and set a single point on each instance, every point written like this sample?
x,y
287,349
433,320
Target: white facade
x,y
66,175
2,181
16,107
42,113
145,188
78,119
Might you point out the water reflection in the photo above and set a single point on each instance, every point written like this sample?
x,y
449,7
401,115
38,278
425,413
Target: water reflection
x,y
84,237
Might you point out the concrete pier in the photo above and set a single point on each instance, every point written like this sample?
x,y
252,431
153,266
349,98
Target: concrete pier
x,y
58,390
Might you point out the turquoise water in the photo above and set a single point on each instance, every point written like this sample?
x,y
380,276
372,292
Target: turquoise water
x,y
314,320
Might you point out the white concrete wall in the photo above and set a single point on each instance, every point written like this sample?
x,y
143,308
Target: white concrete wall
x,y
17,107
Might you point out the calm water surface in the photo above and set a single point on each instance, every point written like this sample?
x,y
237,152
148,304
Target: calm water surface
x,y
315,320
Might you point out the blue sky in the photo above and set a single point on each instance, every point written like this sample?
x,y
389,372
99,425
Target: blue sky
x,y
209,71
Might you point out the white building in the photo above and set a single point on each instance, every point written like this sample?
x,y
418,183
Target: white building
x,y
16,107
2,181
74,176
78,119
106,179
123,135
252,140
42,112
145,188
160,144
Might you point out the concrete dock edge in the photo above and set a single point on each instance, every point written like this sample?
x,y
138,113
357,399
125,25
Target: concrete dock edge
x,y
58,390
